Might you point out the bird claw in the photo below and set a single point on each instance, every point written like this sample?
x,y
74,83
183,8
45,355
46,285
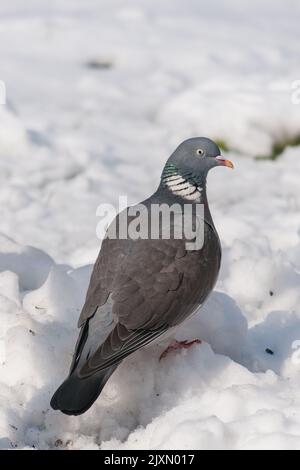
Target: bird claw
x,y
178,345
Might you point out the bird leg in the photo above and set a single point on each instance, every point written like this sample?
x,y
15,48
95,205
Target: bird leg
x,y
178,345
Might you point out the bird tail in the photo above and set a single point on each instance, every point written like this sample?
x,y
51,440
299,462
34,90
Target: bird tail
x,y
76,395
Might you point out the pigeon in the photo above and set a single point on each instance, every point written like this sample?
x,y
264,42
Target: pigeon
x,y
142,288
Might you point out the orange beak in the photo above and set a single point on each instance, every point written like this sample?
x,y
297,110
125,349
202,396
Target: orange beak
x,y
223,162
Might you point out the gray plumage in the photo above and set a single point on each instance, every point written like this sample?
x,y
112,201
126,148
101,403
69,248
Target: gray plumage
x,y
141,288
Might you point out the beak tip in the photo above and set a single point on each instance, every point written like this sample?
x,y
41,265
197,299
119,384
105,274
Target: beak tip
x,y
223,162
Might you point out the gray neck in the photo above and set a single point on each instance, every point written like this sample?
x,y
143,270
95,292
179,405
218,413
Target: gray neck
x,y
177,187
182,185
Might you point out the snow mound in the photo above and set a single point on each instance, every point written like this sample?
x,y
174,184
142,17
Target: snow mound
x,y
30,264
238,389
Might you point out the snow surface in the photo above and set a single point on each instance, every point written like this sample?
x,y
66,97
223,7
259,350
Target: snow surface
x,y
98,95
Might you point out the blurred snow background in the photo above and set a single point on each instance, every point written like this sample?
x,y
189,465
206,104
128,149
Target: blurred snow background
x,y
98,95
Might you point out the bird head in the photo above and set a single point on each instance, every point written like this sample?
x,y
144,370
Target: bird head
x,y
196,156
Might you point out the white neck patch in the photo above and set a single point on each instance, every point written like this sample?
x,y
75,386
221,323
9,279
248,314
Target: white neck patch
x,y
183,188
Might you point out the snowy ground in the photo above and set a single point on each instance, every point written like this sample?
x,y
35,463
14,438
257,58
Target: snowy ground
x,y
98,95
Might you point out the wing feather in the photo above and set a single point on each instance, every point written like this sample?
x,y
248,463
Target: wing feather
x,y
150,285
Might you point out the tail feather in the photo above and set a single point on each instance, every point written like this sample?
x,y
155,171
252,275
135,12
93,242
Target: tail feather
x,y
76,395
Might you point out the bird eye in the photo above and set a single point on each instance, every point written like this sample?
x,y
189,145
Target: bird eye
x,y
200,152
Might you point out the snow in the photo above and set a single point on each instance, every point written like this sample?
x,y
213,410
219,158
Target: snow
x,y
98,95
